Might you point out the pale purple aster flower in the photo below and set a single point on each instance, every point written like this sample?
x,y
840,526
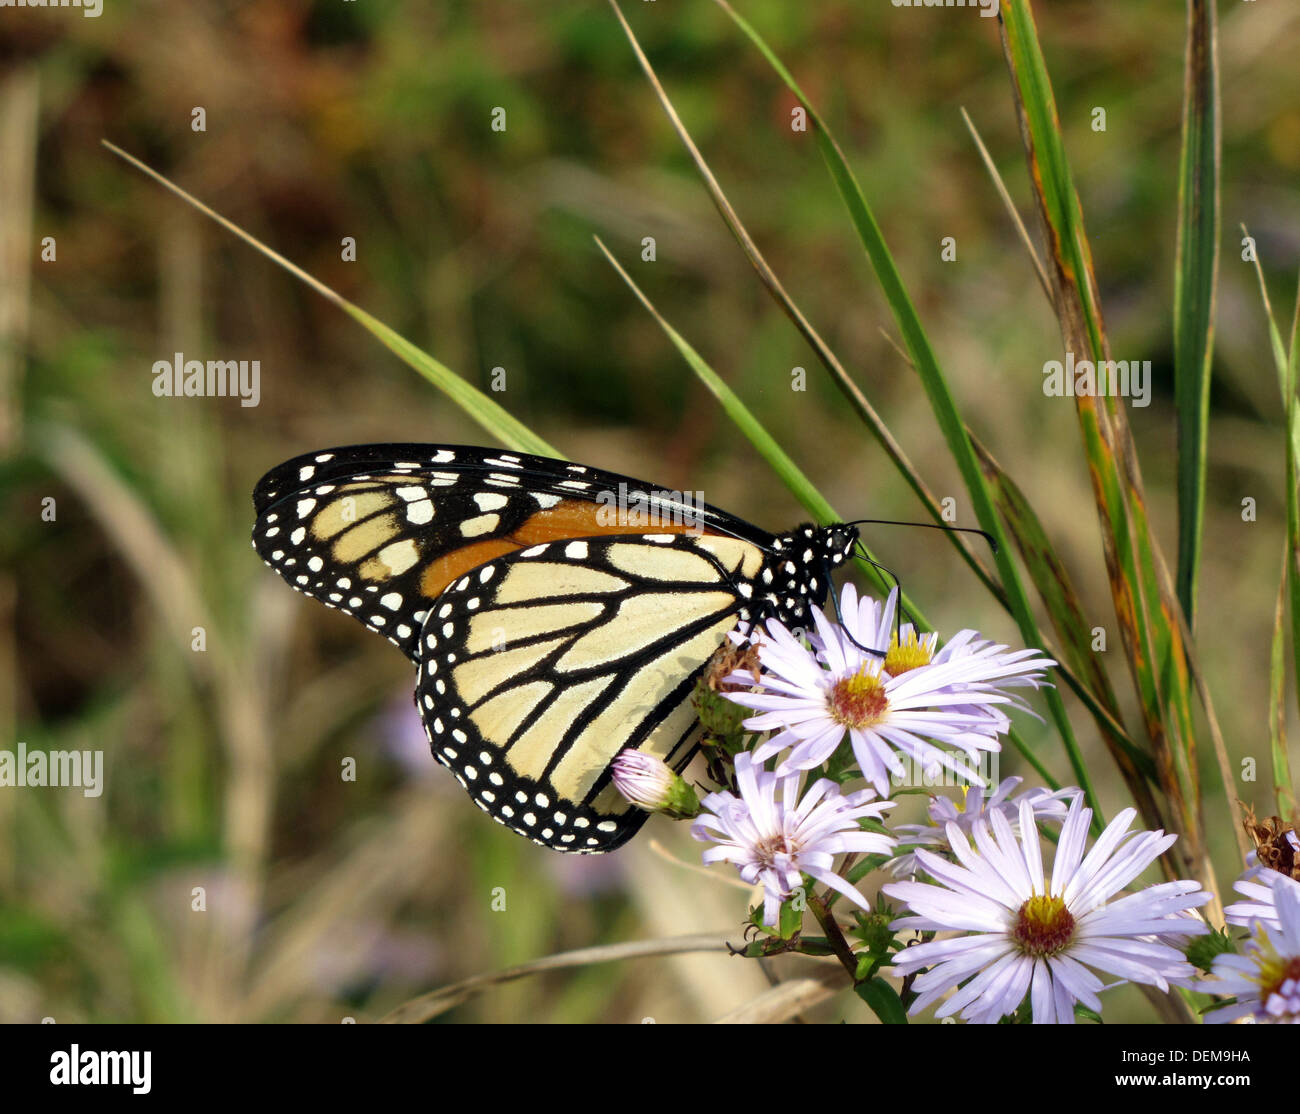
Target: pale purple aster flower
x,y
974,807
1259,885
1265,978
1022,935
902,704
772,833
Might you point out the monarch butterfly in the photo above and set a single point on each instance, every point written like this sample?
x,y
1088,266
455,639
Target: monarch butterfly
x,y
549,632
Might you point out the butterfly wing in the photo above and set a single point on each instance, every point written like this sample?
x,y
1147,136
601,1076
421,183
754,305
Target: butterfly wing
x,y
548,635
538,667
380,531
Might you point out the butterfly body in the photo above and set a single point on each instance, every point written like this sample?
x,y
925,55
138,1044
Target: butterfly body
x,y
550,630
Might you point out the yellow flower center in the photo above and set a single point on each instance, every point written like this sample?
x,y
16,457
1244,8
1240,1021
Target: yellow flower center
x,y
1044,927
912,654
859,700
1274,973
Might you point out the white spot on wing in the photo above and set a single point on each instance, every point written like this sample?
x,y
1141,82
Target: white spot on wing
x,y
420,513
483,524
399,556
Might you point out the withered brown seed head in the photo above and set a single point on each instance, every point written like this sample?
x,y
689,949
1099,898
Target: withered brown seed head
x,y
1272,838
729,658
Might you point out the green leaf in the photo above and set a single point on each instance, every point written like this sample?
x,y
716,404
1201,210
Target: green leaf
x,y
1080,1010
883,1000
488,413
790,920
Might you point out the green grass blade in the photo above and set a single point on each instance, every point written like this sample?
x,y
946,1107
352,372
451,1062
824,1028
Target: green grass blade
x,y
1195,276
1146,604
489,414
1283,786
1285,358
1008,204
933,381
842,379
789,473
1049,576
839,375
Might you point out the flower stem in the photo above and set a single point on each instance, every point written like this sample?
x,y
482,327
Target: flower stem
x,y
822,911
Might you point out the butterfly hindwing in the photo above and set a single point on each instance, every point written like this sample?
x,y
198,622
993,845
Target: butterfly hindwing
x,y
539,667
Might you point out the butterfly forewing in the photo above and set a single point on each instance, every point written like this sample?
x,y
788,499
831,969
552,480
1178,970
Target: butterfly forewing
x,y
378,531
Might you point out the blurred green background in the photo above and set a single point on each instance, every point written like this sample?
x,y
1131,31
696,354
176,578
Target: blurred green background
x,y
328,898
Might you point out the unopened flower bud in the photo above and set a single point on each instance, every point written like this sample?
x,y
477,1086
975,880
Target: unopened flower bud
x,y
649,784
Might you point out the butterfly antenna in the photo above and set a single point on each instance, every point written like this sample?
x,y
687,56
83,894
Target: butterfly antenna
x,y
993,545
839,615
899,612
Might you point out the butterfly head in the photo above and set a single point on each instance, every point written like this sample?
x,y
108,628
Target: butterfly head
x,y
797,573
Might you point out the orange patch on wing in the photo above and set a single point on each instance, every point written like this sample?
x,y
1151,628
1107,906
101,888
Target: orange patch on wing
x,y
572,518
452,566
